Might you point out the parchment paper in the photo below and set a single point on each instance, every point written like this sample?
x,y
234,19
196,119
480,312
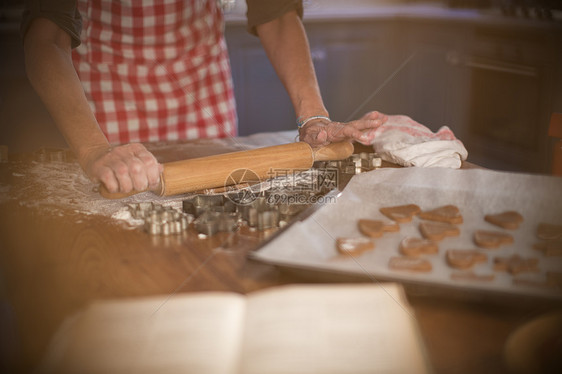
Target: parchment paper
x,y
311,243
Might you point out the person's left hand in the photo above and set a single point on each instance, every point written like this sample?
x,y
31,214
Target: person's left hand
x,y
321,132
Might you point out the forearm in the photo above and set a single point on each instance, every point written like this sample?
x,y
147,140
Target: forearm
x,y
285,42
286,45
51,73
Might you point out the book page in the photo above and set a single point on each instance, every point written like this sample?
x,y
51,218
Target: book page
x,y
181,334
331,329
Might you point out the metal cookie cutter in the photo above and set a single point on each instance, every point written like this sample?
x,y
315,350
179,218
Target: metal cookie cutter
x,y
346,166
268,219
209,223
260,214
355,164
216,213
365,161
160,220
213,213
289,203
200,204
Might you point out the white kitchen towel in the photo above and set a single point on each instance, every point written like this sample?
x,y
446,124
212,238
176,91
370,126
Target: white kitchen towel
x,y
403,141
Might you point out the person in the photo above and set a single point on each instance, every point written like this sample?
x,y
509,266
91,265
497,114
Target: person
x,y
115,74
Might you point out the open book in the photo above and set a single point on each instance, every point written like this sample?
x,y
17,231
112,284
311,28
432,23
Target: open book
x,y
363,328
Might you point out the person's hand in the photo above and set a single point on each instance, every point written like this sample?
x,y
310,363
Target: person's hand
x,y
321,132
123,168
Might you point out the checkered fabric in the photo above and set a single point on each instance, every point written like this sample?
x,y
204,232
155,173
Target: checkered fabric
x,y
156,70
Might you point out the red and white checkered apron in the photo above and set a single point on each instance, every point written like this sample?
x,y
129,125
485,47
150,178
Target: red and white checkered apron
x,y
156,70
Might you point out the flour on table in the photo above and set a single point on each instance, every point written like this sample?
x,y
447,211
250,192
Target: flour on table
x,y
62,187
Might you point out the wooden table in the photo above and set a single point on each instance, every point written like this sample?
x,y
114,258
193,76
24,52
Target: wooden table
x,y
51,264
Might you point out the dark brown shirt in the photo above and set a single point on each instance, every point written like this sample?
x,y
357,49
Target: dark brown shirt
x,y
65,14
263,11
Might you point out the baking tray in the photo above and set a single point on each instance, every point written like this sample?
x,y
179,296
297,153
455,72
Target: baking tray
x,y
309,244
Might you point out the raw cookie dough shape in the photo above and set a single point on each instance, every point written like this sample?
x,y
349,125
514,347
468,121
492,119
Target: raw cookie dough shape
x,y
550,248
465,258
410,246
375,229
516,264
508,220
414,264
354,246
491,239
438,230
446,213
401,213
548,231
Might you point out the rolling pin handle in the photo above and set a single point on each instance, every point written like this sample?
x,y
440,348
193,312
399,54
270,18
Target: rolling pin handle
x,y
333,151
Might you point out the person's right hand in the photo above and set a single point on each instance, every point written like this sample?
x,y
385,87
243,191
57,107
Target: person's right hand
x,y
124,168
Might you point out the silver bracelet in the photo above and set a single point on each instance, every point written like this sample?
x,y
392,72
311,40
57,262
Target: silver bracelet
x,y
302,122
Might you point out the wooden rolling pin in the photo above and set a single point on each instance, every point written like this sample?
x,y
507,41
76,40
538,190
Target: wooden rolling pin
x,y
213,171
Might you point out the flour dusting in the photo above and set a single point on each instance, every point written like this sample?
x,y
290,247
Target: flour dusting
x,y
62,187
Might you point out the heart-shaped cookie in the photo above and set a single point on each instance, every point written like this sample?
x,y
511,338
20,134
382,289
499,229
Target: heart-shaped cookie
x,y
549,248
375,228
465,258
401,213
446,213
491,239
354,246
507,220
438,230
391,227
414,264
516,264
549,231
410,246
